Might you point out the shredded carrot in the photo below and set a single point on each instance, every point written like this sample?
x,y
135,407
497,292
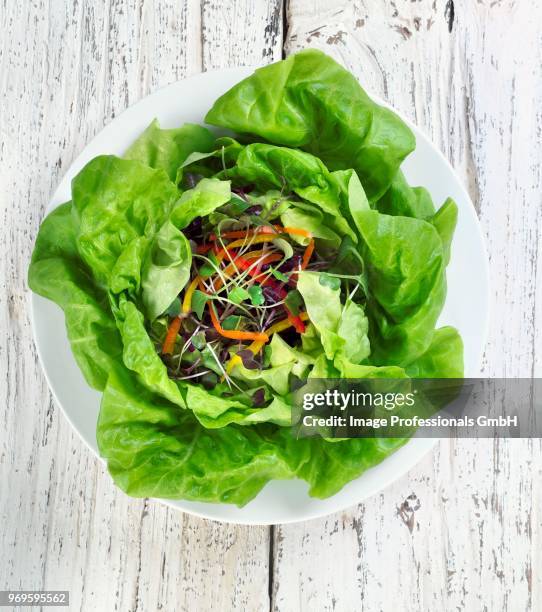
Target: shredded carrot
x,y
235,334
171,336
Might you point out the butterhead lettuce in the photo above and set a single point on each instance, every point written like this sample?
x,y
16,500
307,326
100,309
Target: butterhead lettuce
x,y
310,102
202,277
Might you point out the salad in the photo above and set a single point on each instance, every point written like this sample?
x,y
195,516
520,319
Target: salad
x,y
202,276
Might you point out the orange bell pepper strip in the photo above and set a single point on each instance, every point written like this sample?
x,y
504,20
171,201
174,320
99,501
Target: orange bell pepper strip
x,y
234,334
171,336
307,254
256,346
295,231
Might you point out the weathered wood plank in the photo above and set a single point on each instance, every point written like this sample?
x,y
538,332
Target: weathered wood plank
x,y
470,77
67,68
462,530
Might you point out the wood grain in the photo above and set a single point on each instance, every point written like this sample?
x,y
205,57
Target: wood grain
x,y
67,68
462,530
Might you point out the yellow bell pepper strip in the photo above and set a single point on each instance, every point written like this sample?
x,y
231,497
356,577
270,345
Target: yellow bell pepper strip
x,y
175,325
259,239
257,346
264,229
187,301
269,257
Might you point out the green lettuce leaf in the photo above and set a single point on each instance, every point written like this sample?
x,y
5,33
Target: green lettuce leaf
x,y
168,149
314,221
126,273
269,167
223,154
445,220
208,195
333,464
276,377
308,101
57,273
342,329
284,361
153,449
114,201
403,200
213,411
139,353
281,353
443,358
116,260
166,269
348,369
407,284
323,304
354,327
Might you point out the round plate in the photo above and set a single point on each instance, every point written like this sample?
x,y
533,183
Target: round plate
x,y
466,305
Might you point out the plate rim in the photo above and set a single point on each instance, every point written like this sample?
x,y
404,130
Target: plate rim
x,y
417,447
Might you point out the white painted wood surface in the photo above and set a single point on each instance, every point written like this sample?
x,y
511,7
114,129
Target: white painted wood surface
x,y
463,529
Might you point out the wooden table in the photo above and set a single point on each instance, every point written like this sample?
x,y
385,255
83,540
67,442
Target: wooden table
x,y
463,530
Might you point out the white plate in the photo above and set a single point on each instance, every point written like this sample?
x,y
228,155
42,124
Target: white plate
x,y
466,306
